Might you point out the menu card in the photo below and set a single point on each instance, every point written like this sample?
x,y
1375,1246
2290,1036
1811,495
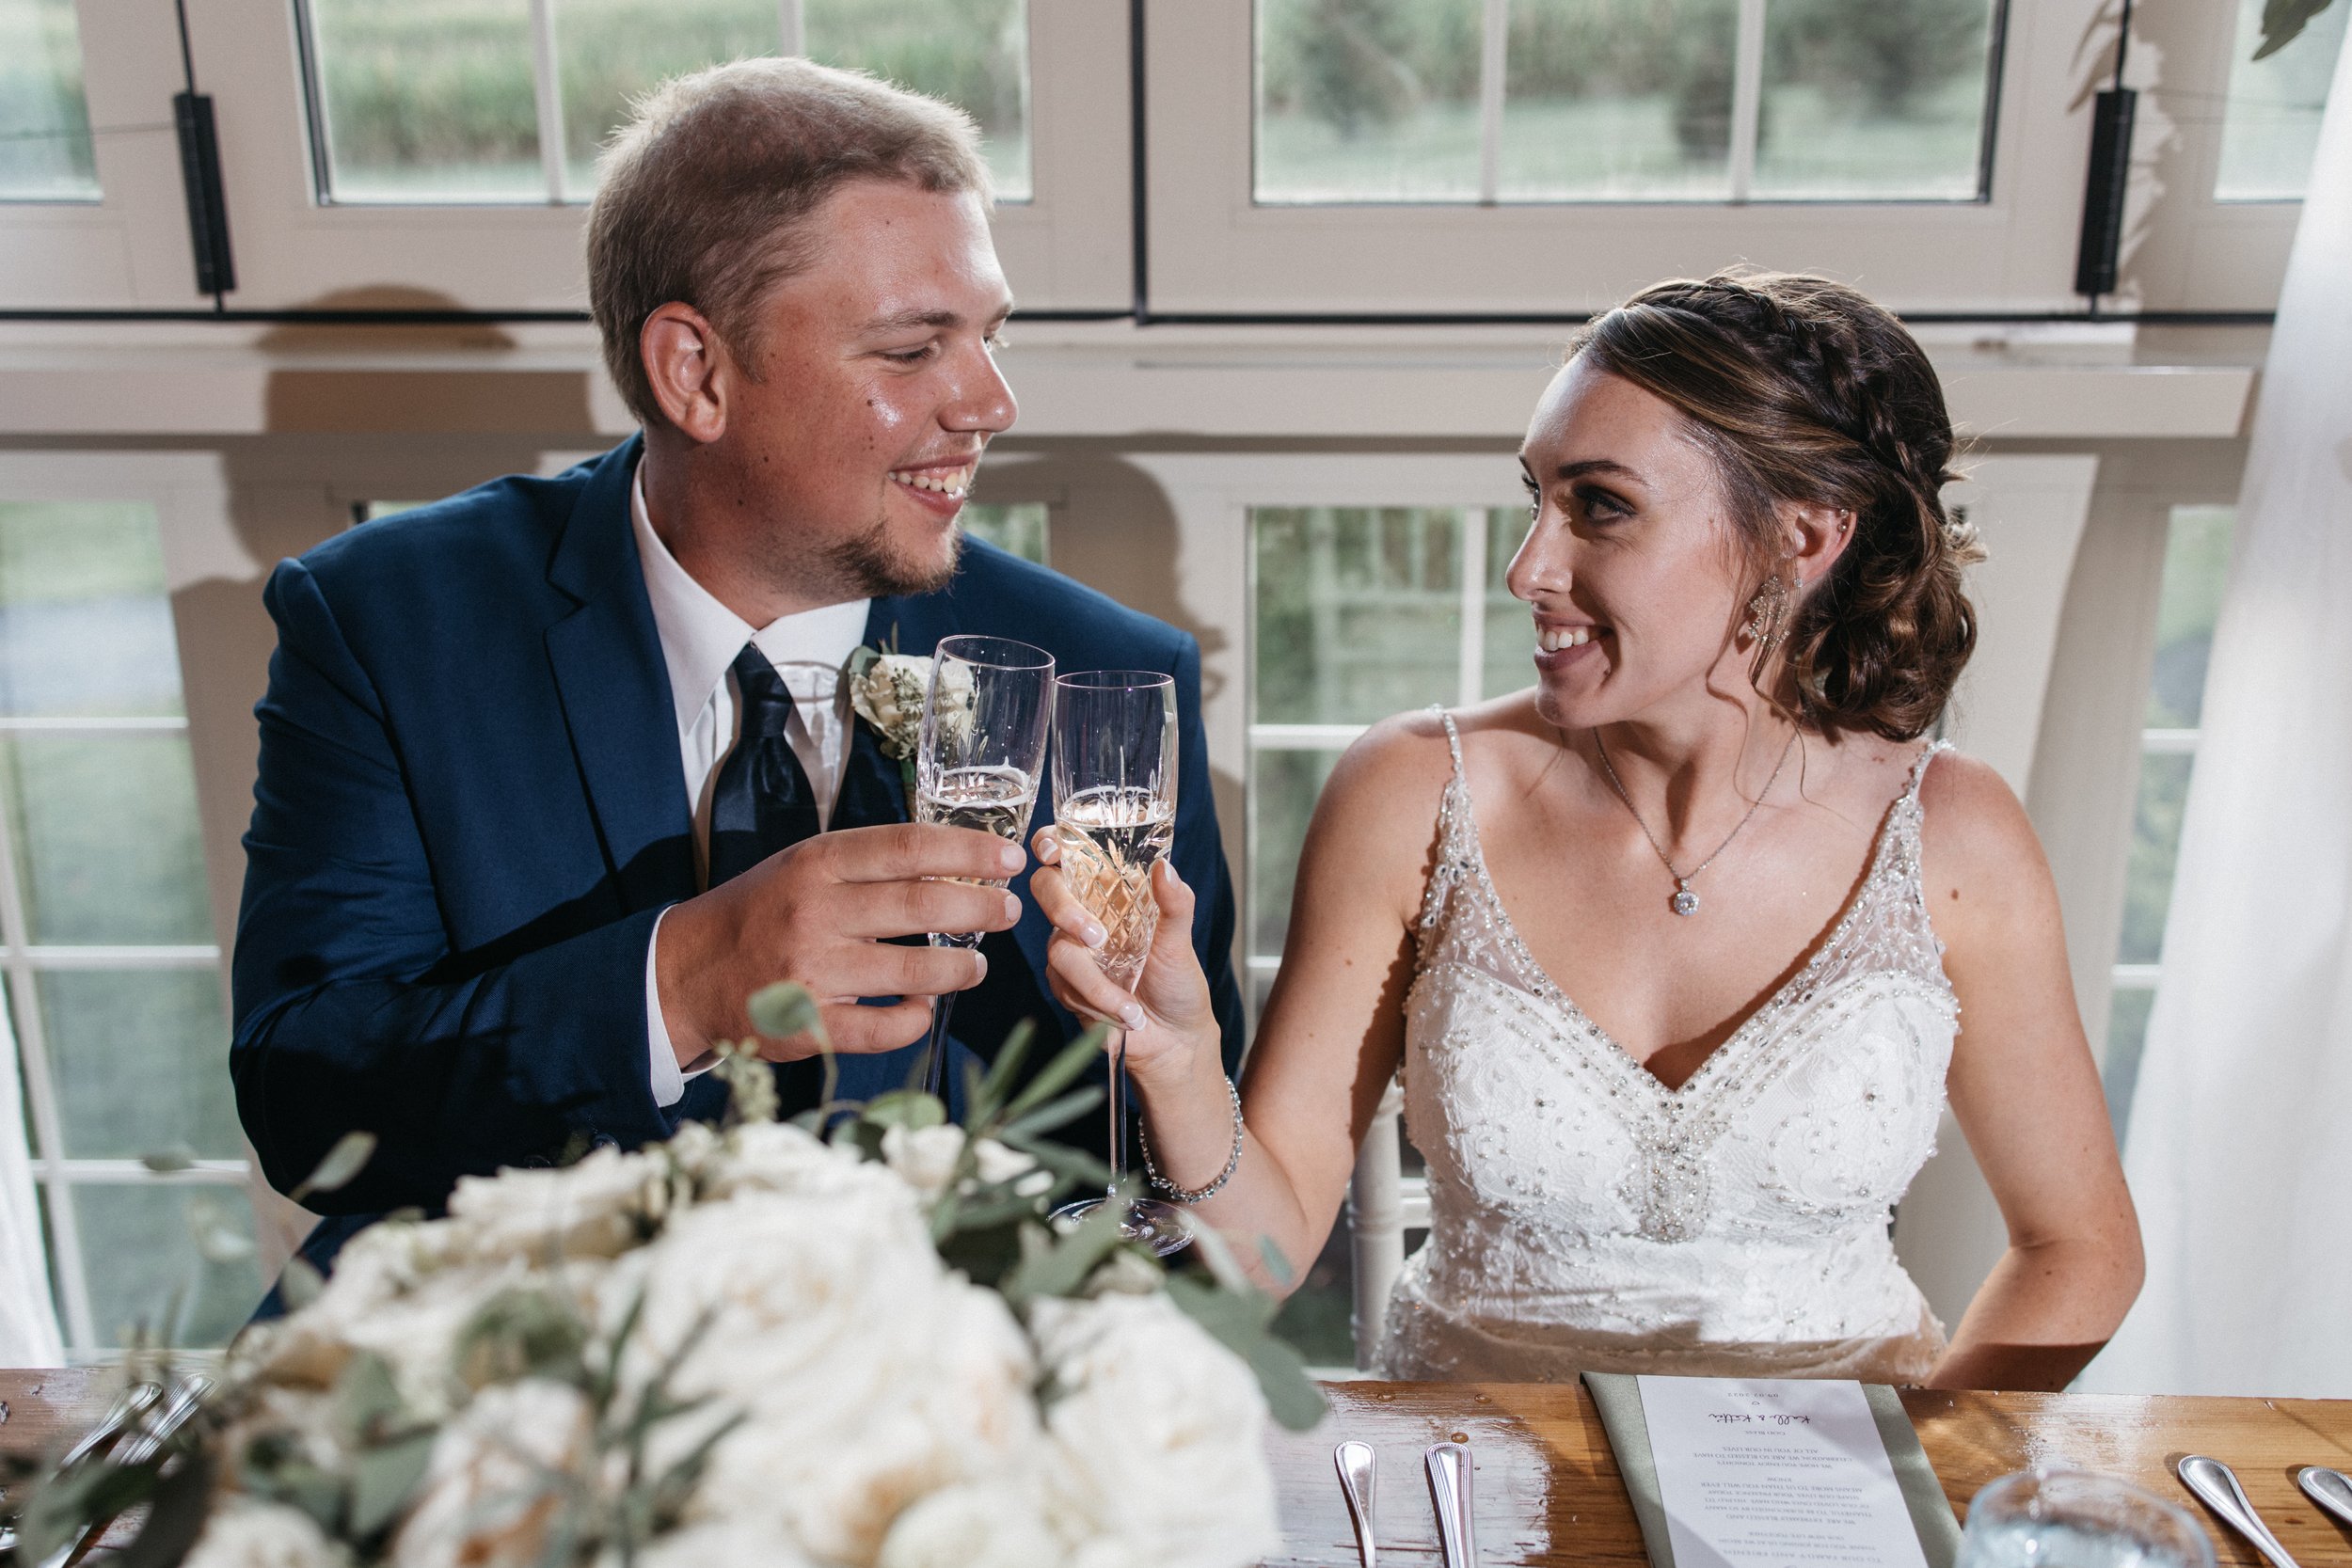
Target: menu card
x,y
1770,1473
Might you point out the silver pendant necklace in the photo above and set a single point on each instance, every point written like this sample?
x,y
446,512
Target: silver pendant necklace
x,y
1685,902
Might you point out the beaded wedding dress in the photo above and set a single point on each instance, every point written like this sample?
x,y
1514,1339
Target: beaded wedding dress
x,y
1585,1217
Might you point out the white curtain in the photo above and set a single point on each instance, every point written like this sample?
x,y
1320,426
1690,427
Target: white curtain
x,y
28,1319
2239,1148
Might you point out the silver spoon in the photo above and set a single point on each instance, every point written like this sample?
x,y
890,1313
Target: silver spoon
x,y
2215,1485
1358,1480
1449,1467
2329,1488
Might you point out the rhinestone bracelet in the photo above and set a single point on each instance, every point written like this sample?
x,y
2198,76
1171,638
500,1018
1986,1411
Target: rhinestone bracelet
x,y
1194,1194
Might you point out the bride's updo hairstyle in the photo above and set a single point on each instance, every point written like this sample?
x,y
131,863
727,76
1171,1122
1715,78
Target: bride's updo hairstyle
x,y
1805,391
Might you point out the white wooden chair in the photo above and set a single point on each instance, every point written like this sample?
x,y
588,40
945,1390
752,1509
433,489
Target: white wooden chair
x,y
1382,1204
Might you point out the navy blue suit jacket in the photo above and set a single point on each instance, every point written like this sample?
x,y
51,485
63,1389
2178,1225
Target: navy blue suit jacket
x,y
469,812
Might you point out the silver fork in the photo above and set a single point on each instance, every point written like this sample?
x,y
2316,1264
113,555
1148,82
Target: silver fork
x,y
1359,1481
188,1396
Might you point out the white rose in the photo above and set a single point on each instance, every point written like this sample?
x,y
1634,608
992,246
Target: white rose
x,y
777,1157
924,1157
725,1544
597,1208
826,1319
245,1532
498,1478
1147,1393
984,1526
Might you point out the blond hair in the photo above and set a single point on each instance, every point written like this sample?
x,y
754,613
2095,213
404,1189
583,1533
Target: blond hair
x,y
705,193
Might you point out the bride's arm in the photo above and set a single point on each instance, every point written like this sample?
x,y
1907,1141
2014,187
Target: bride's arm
x,y
1331,1033
2027,1094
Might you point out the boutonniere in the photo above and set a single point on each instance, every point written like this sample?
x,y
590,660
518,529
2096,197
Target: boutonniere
x,y
887,690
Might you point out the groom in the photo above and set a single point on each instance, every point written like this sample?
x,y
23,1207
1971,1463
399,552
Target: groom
x,y
556,772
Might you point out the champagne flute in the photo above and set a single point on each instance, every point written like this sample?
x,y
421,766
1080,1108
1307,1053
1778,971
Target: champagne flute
x,y
1114,817
976,766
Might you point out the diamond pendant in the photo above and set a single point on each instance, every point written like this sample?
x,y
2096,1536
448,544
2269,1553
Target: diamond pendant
x,y
1685,901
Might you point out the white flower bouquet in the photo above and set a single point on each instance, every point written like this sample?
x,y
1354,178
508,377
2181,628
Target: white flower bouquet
x,y
756,1345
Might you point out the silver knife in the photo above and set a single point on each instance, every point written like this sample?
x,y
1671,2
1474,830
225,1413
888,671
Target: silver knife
x,y
1450,1491
1359,1481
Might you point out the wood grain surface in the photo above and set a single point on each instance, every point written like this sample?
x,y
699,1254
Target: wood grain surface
x,y
1548,1490
1547,1487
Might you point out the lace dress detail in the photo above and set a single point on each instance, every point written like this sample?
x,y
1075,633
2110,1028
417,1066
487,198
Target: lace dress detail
x,y
1585,1217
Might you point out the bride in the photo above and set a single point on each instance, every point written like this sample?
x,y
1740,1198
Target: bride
x,y
1681,951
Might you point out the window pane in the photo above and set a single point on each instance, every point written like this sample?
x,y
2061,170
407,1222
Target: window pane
x,y
974,53
1880,99
141,1062
2127,1031
2196,570
1509,632
107,838
1283,787
84,627
1019,529
2270,125
1367,100
609,51
1615,98
2156,840
427,100
1359,612
140,1243
44,124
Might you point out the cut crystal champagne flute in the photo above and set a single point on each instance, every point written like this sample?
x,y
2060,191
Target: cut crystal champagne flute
x,y
976,766
1115,818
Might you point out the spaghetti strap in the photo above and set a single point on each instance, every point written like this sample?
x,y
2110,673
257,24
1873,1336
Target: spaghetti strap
x,y
1452,742
1920,771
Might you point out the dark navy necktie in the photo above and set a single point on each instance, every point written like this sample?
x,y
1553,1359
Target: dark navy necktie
x,y
762,801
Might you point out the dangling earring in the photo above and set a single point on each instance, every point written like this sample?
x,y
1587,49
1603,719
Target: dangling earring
x,y
1768,614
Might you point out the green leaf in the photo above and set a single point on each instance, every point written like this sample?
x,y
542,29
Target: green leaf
x,y
169,1158
1059,1073
909,1108
519,1334
217,1239
1053,1113
1238,1322
1063,1268
2284,21
365,1398
350,1155
785,1010
300,1284
984,1097
383,1479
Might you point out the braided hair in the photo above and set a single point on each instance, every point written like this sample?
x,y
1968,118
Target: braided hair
x,y
1805,391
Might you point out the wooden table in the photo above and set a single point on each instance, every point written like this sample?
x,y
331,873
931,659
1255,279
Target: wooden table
x,y
1548,1490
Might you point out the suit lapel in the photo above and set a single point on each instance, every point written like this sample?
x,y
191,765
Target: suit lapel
x,y
606,659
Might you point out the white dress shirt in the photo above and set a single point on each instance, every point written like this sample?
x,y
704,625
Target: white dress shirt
x,y
700,639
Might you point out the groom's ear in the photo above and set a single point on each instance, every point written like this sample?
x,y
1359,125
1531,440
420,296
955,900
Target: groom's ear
x,y
688,368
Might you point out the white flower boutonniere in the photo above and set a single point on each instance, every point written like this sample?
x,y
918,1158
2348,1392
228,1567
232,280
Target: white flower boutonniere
x,y
888,688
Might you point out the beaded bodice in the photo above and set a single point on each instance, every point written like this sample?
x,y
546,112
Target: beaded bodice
x,y
1585,1215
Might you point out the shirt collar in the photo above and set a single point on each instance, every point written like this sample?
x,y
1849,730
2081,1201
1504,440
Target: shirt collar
x,y
700,637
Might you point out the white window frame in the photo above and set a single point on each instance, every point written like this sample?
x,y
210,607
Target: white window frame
x,y
190,500
1213,251
1067,248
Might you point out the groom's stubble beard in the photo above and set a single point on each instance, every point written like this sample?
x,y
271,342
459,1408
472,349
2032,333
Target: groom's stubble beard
x,y
866,562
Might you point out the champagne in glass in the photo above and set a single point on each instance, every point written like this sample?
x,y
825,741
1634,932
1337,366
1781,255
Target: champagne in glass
x,y
1115,810
976,766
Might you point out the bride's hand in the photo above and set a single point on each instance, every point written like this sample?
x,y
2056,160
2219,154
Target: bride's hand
x,y
1170,1020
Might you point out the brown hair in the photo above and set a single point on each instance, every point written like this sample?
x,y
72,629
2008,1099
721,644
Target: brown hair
x,y
1805,391
705,193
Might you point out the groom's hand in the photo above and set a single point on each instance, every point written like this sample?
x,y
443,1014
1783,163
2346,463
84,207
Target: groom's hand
x,y
819,913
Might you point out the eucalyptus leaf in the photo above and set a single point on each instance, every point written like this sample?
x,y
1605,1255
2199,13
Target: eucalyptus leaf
x,y
785,1010
1059,1073
1238,1323
2284,21
365,1397
1053,1113
299,1283
909,1108
989,1094
1061,1269
350,1155
384,1478
169,1158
